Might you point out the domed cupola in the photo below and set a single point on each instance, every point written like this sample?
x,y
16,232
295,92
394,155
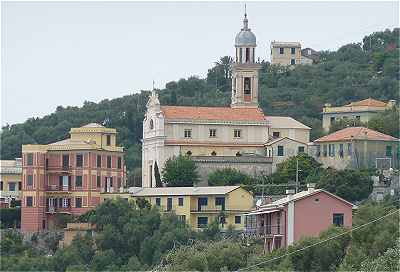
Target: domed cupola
x,y
245,37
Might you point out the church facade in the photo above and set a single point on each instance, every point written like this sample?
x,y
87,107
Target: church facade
x,y
218,137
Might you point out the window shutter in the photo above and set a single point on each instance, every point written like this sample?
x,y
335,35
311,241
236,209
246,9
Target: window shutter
x,y
60,180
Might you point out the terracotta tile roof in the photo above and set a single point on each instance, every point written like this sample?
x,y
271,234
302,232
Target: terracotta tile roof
x,y
213,113
356,133
370,102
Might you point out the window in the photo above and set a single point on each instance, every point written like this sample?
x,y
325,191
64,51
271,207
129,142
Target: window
x,y
108,161
300,149
158,201
276,134
318,150
238,219
331,148
19,186
1,186
29,201
220,201
388,151
29,180
180,201
202,222
278,222
236,133
169,203
188,133
182,218
349,149
358,117
325,150
11,186
338,219
151,124
254,55
108,140
293,50
247,54
65,161
341,150
308,51
201,201
119,163
78,202
98,161
29,159
292,62
98,181
65,202
79,160
238,154
280,150
78,181
281,51
213,132
247,85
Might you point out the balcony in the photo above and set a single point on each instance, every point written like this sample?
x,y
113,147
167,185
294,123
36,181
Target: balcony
x,y
206,209
52,209
53,188
268,231
59,169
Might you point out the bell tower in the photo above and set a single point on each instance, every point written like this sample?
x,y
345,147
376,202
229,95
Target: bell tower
x,y
245,70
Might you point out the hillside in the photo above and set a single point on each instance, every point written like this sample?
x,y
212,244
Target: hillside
x,y
356,71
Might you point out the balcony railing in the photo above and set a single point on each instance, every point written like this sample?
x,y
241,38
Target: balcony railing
x,y
265,231
208,209
53,209
58,188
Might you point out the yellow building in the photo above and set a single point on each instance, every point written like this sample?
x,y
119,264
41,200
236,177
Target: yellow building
x,y
198,206
10,181
361,111
285,53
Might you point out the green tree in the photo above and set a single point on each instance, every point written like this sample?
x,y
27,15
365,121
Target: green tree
x,y
179,172
228,176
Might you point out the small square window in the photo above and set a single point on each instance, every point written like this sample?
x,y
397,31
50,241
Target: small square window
x,y
11,186
78,202
301,149
180,201
79,160
29,159
29,180
293,50
78,181
338,219
236,133
158,201
29,201
213,133
276,134
238,219
281,50
188,133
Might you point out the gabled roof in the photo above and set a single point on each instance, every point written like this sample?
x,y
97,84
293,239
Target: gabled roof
x,y
370,102
356,133
213,113
280,139
184,191
285,122
298,196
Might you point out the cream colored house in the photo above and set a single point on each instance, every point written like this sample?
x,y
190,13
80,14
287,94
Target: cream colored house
x,y
198,206
217,137
361,111
10,181
285,53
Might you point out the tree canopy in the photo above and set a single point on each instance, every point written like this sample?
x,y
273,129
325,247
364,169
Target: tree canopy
x,y
180,171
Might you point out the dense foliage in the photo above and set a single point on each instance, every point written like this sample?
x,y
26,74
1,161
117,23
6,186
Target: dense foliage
x,y
10,217
355,71
228,176
180,171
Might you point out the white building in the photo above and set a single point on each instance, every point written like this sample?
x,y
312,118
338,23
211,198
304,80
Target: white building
x,y
217,137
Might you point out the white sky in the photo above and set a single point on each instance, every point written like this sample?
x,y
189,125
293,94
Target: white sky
x,y
63,53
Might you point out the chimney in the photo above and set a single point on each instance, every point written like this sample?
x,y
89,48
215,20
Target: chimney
x,y
310,187
289,194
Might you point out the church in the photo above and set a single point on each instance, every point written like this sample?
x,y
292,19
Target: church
x,y
240,136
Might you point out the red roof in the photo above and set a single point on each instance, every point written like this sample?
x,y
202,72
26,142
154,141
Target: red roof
x,y
356,133
213,113
370,102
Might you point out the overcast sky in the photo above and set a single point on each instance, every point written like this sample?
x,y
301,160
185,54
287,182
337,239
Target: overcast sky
x,y
63,53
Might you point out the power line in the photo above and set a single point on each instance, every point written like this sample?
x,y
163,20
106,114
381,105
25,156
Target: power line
x,y
320,242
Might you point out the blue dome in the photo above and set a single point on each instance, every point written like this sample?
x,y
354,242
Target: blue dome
x,y
245,38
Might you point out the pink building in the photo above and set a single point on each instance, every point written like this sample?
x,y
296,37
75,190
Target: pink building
x,y
307,213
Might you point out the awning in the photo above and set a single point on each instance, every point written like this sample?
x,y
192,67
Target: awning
x,y
261,212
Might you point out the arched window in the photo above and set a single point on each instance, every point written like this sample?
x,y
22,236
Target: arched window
x,y
238,154
189,153
213,153
151,124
